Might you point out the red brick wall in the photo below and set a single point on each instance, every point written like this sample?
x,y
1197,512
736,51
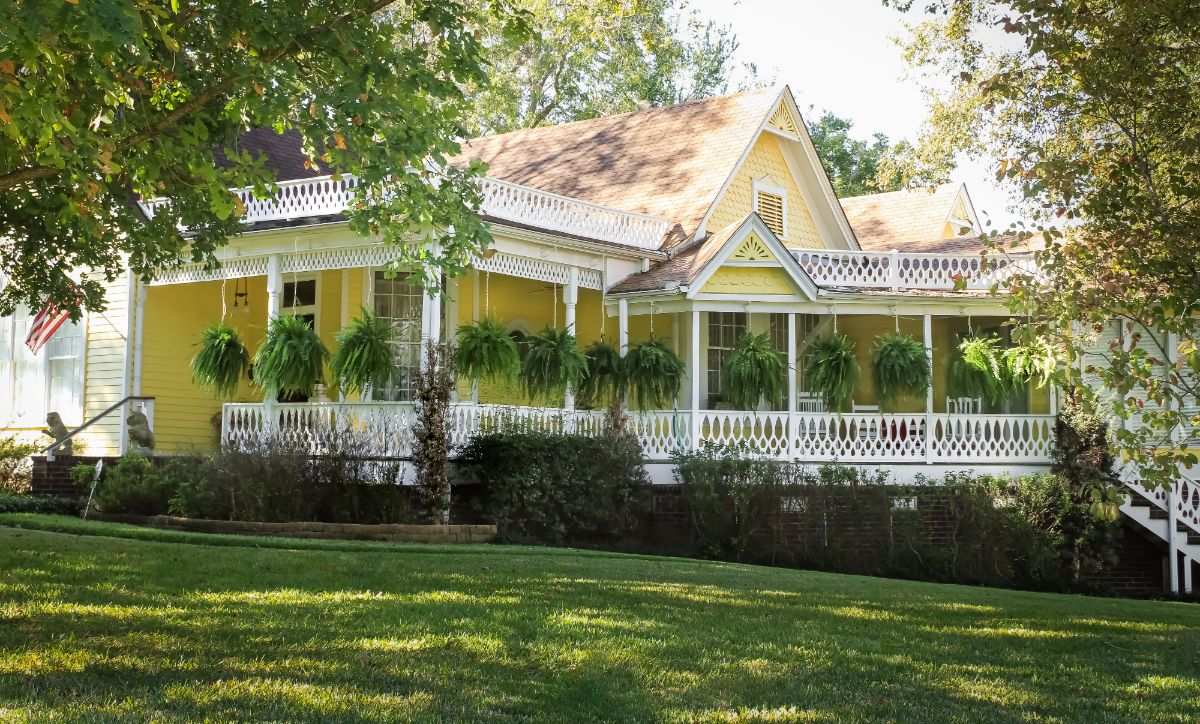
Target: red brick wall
x,y
53,477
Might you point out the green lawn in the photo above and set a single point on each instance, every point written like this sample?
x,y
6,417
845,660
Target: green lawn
x,y
126,623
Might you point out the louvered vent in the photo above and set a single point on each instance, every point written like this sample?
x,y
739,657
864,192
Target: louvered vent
x,y
770,208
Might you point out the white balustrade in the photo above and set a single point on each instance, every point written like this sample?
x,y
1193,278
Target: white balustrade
x,y
904,270
325,196
384,429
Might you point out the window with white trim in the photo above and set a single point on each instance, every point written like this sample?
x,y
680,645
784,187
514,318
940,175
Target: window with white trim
x,y
50,381
724,331
400,302
770,202
300,299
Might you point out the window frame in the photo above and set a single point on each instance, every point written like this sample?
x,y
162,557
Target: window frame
x,y
72,416
406,393
713,373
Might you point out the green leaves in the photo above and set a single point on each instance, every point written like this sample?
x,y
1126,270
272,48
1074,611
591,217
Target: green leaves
x,y
222,360
979,370
832,370
291,359
486,351
653,373
899,366
364,357
553,363
753,371
606,378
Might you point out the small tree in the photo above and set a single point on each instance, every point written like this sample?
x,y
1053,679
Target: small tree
x,y
431,446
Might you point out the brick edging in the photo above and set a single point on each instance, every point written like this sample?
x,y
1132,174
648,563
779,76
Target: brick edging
x,y
394,532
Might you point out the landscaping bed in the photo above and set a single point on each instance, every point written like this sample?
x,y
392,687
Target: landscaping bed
x,y
398,532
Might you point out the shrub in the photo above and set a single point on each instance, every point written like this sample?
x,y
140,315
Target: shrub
x,y
557,489
16,469
15,503
431,443
133,487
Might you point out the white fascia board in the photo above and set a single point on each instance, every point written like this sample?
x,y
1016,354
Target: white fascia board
x,y
786,261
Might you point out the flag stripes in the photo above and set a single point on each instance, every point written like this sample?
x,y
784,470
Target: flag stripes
x,y
44,325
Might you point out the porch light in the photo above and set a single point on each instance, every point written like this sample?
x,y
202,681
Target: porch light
x,y
241,296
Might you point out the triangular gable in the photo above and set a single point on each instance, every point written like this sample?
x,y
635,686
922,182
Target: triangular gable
x,y
785,123
962,214
754,252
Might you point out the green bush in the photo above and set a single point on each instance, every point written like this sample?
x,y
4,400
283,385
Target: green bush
x,y
16,469
15,503
557,489
132,487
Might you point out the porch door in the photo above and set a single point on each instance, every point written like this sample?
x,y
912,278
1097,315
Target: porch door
x,y
400,303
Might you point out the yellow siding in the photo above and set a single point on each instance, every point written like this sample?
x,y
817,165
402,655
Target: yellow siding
x,y
864,330
766,159
105,370
749,280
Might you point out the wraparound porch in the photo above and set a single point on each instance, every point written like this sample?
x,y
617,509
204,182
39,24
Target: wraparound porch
x,y
384,431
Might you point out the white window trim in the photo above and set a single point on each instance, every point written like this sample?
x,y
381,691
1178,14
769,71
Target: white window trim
x,y
781,192
73,417
314,309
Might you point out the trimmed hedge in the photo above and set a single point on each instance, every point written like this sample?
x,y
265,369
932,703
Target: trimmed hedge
x,y
16,503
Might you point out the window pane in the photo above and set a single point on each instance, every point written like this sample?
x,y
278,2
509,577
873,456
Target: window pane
x,y
301,293
400,303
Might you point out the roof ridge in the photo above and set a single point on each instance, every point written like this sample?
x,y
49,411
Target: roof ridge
x,y
930,190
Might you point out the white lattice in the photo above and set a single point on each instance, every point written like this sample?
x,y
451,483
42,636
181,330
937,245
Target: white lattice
x,y
895,270
992,438
661,433
539,269
859,437
375,255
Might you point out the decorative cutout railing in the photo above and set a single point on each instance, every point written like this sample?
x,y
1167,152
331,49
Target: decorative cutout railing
x,y
385,430
902,270
325,196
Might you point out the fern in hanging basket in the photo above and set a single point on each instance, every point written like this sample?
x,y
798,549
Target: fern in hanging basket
x,y
364,356
899,366
222,360
832,370
606,375
291,359
553,362
979,370
486,351
753,371
1032,362
654,374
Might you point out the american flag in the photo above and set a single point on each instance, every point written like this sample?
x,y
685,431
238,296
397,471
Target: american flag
x,y
44,325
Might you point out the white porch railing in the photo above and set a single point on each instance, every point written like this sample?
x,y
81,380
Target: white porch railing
x,y
903,270
385,430
324,196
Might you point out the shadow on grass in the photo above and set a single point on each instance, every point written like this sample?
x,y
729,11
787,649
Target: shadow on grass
x,y
99,627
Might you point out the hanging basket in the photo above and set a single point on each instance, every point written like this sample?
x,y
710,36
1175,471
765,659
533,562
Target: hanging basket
x,y
486,351
979,370
553,363
222,360
364,356
832,370
291,359
654,374
606,377
754,371
899,366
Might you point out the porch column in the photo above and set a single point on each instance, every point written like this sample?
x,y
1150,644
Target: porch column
x,y
431,322
694,376
452,291
570,298
623,325
475,318
274,309
791,394
928,337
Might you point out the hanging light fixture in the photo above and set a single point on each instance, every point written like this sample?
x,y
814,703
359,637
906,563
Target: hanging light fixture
x,y
241,295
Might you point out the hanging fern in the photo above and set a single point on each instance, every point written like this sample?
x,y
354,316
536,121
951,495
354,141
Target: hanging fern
x,y
1033,362
832,370
222,360
552,363
753,371
291,359
364,356
606,375
979,370
899,366
654,374
486,351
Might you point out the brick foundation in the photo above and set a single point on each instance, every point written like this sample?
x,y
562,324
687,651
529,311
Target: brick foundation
x,y
53,477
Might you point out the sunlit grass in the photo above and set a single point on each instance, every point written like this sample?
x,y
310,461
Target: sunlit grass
x,y
125,623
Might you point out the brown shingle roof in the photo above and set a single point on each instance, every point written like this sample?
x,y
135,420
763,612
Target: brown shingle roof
x,y
667,162
901,220
683,268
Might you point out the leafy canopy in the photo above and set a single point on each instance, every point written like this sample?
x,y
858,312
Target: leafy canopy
x,y
857,167
111,100
1088,111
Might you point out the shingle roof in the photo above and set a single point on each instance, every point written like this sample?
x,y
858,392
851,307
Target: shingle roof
x,y
282,150
901,219
667,162
683,268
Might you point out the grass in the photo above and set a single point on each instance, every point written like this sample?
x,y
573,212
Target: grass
x,y
108,622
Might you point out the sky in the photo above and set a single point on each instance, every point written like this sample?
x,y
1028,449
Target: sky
x,y
839,55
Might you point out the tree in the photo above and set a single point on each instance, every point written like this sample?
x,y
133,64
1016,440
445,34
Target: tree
x,y
591,58
111,101
856,167
1091,111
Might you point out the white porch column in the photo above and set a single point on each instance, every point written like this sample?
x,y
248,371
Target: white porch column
x,y
139,291
431,322
623,325
791,393
570,299
453,289
274,309
928,338
694,377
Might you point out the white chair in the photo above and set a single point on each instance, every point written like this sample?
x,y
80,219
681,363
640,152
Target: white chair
x,y
964,405
809,402
872,428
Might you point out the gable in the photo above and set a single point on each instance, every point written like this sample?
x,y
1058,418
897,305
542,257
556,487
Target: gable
x,y
766,163
749,280
782,119
752,249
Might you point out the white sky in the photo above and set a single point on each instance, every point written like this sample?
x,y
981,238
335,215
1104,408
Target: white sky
x,y
839,55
